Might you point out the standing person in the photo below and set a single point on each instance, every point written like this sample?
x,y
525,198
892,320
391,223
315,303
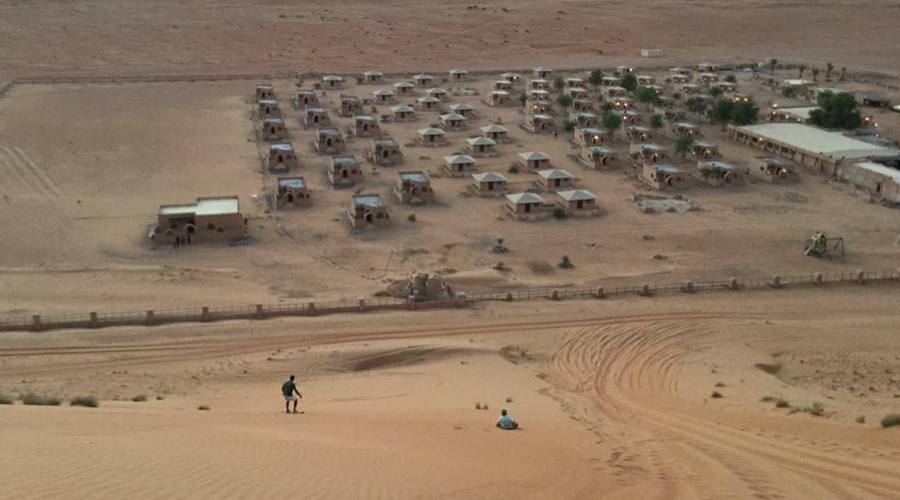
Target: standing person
x,y
288,389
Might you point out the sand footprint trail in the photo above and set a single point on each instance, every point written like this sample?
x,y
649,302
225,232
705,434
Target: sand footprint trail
x,y
631,371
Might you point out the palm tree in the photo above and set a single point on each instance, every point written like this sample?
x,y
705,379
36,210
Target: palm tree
x,y
815,74
828,69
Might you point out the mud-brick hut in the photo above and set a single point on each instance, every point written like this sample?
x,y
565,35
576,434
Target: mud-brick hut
x,y
489,184
344,171
438,93
704,150
555,179
574,82
679,79
459,165
273,129
773,170
384,96
576,92
314,117
542,72
306,99
496,133
511,77
268,108
423,80
610,81
372,77
481,147
499,99
615,91
539,123
583,119
504,85
281,157
685,129
582,105
403,113
210,219
263,91
414,188
637,133
385,152
534,161
578,202
598,157
663,176
645,80
718,173
333,82
432,136
350,106
291,192
649,152
458,75
329,141
366,126
538,84
464,109
454,121
525,206
590,136
404,88
429,103
367,210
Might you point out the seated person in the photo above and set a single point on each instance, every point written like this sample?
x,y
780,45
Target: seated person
x,y
506,422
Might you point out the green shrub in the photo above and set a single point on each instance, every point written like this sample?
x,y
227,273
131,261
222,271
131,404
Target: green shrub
x,y
140,398
890,420
781,403
34,399
5,399
816,409
716,395
88,401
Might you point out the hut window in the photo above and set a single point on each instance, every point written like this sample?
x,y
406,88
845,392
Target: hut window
x,y
211,226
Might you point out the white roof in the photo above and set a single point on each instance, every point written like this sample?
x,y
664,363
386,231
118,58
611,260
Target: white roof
x,y
373,73
437,90
363,118
405,85
178,209
414,176
576,195
664,167
292,182
282,147
217,206
511,75
383,92
542,69
461,107
819,141
488,177
880,169
367,200
720,165
402,109
534,155
453,116
429,98
542,116
600,149
481,141
801,112
458,72
796,82
493,129
333,78
554,173
431,131
524,198
457,159
423,76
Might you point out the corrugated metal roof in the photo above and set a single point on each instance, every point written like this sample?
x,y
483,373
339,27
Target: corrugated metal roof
x,y
664,167
880,169
414,176
292,182
453,116
282,147
178,209
431,131
534,155
402,109
819,141
494,129
488,177
576,195
217,206
457,159
405,85
518,198
368,200
481,141
554,173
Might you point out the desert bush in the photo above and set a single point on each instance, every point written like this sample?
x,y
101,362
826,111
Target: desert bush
x,y
86,401
861,419
34,399
539,266
720,384
566,263
767,399
815,409
140,398
560,212
411,218
5,399
890,420
716,395
203,408
781,403
509,399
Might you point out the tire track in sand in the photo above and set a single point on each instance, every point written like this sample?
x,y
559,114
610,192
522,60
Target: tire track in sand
x,y
631,371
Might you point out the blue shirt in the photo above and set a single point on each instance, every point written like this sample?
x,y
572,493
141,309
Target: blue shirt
x,y
506,422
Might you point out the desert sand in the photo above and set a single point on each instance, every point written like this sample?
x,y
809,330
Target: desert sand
x,y
615,397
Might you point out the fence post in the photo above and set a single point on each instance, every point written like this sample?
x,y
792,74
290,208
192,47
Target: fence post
x,y
461,299
860,276
36,322
311,307
733,284
554,295
362,305
818,278
259,311
509,296
645,290
776,281
149,319
688,287
204,313
93,320
601,293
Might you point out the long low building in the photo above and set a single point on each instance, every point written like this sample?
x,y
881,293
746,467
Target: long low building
x,y
880,180
810,146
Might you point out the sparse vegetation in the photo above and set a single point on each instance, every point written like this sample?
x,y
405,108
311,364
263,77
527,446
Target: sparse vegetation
x,y
767,399
696,105
815,409
716,395
559,83
565,263
628,82
720,384
611,122
203,408
34,399
564,100
569,126
596,78
140,398
656,121
479,406
5,399
890,420
861,419
560,213
782,403
411,218
86,401
509,399
647,95
836,111
683,146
